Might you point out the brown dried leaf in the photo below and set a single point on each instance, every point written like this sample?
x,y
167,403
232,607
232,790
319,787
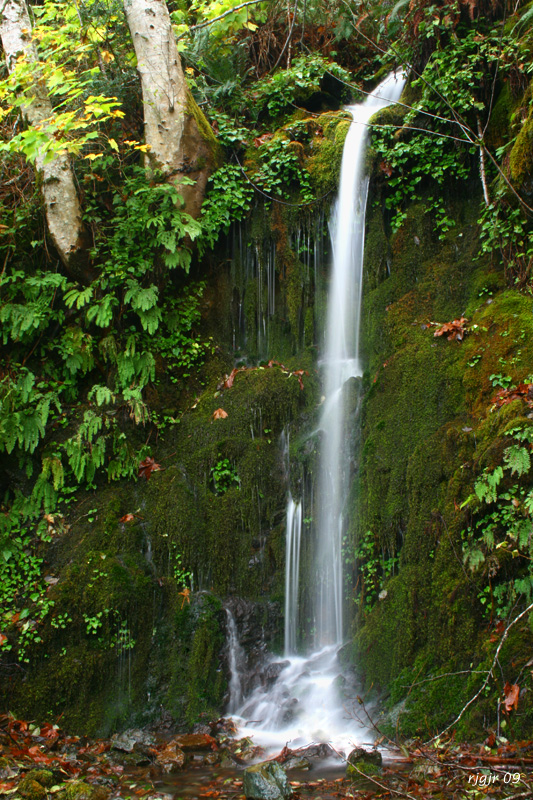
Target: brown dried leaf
x,y
220,414
453,330
512,693
148,466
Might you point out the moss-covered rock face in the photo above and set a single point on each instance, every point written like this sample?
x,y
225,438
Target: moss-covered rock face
x,y
428,431
521,157
126,636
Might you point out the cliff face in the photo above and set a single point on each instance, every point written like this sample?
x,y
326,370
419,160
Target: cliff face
x,y
429,595
139,572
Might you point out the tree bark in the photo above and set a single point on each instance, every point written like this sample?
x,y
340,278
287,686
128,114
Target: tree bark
x,y
180,138
63,212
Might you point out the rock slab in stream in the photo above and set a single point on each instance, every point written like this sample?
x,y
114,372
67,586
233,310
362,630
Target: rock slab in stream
x,y
266,781
363,762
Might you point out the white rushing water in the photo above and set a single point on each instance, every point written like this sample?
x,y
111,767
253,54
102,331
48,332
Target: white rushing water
x,y
341,358
293,535
236,663
299,700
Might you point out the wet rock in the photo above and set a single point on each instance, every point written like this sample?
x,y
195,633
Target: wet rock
x,y
367,762
226,759
195,741
297,762
366,756
266,781
322,750
171,759
210,759
200,727
127,741
272,672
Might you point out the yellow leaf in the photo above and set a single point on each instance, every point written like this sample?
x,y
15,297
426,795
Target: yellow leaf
x,y
144,148
92,156
113,144
107,56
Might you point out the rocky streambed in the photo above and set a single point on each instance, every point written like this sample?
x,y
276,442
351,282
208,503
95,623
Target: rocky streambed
x,y
41,762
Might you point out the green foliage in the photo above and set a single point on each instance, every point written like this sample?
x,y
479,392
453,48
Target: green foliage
x,y
61,425
224,476
281,170
498,547
373,569
228,199
280,92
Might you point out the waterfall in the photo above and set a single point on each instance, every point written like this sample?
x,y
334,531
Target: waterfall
x,y
292,572
341,358
300,699
236,662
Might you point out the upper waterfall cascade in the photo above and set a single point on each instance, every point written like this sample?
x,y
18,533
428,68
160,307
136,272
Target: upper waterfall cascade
x,y
303,703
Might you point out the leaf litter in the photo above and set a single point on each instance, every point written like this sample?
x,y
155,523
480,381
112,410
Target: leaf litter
x,y
157,765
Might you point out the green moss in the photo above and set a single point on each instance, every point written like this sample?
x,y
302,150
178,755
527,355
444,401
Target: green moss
x,y
31,789
326,155
205,130
500,120
79,790
42,776
428,432
521,156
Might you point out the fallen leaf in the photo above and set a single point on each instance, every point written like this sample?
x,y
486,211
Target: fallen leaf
x,y
3,638
148,466
131,517
453,330
220,414
511,692
523,391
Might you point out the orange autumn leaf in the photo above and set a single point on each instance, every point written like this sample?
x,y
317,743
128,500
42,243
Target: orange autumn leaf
x,y
512,693
453,330
130,517
186,596
220,414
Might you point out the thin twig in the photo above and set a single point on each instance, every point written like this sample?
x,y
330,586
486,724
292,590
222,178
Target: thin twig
x,y
288,37
446,675
489,675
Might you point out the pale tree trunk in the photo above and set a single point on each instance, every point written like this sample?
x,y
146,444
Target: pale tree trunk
x,y
63,212
180,138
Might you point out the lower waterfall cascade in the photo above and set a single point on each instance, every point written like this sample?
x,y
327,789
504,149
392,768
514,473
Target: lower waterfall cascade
x,y
300,698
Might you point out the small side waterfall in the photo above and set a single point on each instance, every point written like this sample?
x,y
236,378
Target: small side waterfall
x,y
236,663
292,573
300,699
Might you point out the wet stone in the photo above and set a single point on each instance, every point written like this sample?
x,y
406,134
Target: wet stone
x,y
273,671
297,762
266,781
